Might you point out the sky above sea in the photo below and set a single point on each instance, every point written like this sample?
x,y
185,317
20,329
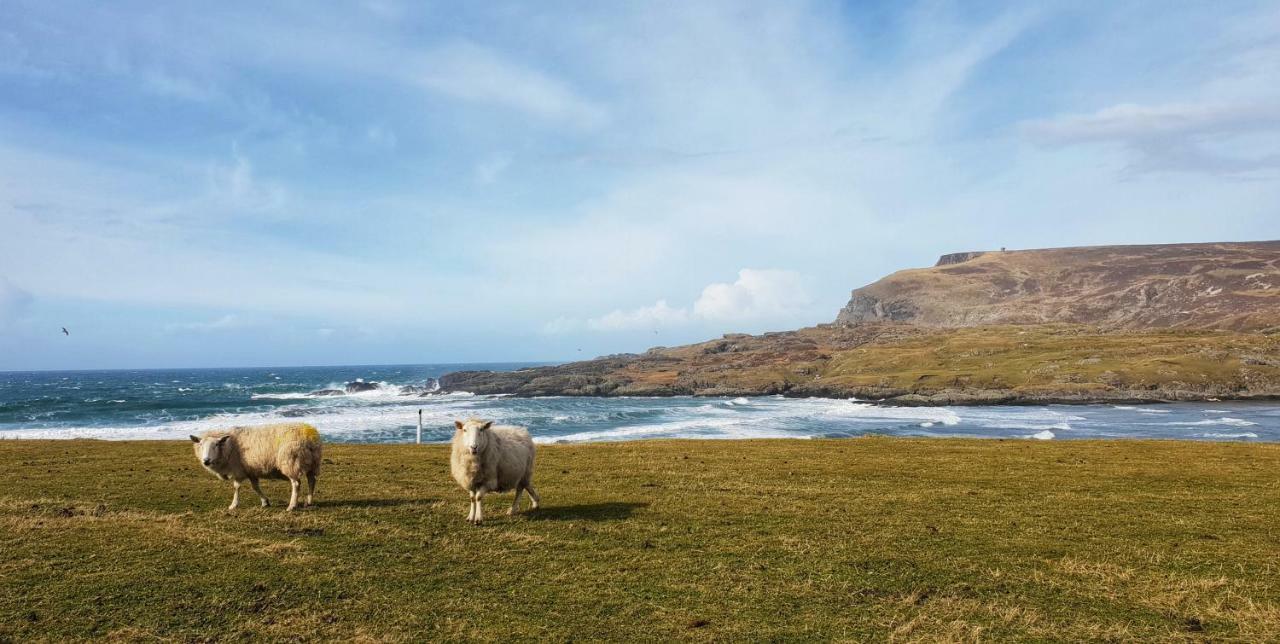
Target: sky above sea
x,y
246,183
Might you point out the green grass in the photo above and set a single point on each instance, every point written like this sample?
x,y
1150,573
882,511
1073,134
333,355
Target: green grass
x,y
677,540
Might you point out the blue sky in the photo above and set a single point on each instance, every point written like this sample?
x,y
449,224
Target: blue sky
x,y
222,184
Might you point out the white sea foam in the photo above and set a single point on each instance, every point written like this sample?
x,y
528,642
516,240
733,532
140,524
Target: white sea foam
x,y
866,412
1042,428
1045,435
700,428
1229,435
1230,422
284,396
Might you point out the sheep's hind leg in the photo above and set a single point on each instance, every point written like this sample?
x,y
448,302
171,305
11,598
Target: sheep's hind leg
x,y
261,496
293,495
533,496
311,486
235,495
515,503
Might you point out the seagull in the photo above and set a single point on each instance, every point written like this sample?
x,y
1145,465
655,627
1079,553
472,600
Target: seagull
x,y
65,331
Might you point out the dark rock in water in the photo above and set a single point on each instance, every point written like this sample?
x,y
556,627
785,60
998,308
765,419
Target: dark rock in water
x,y
295,413
429,386
327,392
357,386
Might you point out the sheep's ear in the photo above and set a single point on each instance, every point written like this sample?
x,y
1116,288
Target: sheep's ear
x,y
223,439
195,439
458,424
487,425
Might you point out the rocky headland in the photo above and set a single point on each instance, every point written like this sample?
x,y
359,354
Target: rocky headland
x,y
1067,325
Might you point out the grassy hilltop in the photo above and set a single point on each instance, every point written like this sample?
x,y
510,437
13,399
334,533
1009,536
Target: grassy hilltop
x,y
689,540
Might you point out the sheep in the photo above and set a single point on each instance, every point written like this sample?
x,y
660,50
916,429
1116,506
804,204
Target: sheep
x,y
283,451
492,459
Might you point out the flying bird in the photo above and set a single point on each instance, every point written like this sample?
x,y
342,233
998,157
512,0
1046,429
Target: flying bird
x,y
65,331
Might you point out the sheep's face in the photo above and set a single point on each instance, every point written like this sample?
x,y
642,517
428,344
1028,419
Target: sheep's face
x,y
211,450
474,433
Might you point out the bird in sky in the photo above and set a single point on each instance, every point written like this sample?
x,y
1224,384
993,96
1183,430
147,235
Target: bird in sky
x,y
65,331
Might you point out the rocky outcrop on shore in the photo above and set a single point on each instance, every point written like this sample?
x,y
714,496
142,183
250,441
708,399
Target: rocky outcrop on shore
x,y
909,365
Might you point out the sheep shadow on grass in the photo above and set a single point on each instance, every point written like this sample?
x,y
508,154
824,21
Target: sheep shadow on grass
x,y
610,511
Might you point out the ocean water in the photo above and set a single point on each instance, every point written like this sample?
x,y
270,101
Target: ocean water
x,y
170,404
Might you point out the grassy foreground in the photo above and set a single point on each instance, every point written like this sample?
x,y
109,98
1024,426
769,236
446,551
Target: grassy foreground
x,y
689,540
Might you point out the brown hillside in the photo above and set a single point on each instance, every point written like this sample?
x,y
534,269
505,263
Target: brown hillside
x,y
1233,286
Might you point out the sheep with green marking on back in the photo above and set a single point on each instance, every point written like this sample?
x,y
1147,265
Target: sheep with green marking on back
x,y
488,458
283,451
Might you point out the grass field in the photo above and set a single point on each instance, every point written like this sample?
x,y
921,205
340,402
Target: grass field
x,y
870,538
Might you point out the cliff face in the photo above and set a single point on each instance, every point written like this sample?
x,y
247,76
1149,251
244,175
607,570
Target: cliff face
x,y
1233,286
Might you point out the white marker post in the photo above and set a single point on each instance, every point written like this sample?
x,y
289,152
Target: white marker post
x,y
419,426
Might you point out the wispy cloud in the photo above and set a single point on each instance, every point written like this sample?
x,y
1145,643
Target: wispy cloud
x,y
226,322
645,317
470,72
488,170
14,301
1168,137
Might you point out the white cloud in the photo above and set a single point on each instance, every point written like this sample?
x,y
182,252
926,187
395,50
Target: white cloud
x,y
14,301
467,71
646,317
757,294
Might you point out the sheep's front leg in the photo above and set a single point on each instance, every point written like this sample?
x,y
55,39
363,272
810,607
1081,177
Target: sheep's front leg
x,y
261,496
479,506
471,507
293,495
311,486
235,495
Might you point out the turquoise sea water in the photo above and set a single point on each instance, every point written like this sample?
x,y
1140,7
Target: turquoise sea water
x,y
169,404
